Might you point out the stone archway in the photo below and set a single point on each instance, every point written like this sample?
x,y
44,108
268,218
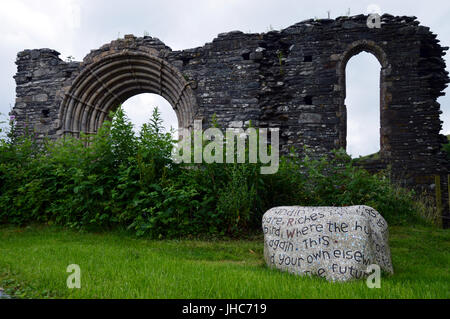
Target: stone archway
x,y
105,84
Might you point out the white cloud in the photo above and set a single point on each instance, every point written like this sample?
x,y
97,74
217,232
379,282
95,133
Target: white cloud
x,y
19,18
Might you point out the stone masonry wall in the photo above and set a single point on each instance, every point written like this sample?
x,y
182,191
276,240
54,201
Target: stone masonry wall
x,y
293,79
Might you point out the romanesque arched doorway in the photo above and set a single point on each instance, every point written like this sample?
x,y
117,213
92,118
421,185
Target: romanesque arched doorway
x,y
105,84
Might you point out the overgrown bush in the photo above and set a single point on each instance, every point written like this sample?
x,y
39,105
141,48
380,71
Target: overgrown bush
x,y
335,181
119,179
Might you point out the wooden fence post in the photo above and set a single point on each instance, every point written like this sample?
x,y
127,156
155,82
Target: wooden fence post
x,y
448,189
437,182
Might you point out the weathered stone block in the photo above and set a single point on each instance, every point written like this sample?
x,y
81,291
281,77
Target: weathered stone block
x,y
337,243
310,118
40,98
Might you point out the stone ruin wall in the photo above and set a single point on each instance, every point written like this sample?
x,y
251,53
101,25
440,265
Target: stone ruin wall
x,y
293,79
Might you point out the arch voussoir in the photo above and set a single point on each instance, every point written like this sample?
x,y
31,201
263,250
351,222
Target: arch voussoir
x,y
103,85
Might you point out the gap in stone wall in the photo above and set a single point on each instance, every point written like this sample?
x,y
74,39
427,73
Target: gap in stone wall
x,y
363,105
139,109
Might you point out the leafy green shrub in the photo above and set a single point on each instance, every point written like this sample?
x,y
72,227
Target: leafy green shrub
x,y
117,179
238,199
335,181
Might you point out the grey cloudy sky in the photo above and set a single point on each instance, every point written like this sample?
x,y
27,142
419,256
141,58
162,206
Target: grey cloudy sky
x,y
74,27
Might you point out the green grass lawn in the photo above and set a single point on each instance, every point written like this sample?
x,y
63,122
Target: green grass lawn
x,y
33,263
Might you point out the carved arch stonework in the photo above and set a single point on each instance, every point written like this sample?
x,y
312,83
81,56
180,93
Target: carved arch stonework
x,y
104,85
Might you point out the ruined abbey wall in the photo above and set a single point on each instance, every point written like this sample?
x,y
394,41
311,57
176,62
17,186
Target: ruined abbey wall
x,y
293,79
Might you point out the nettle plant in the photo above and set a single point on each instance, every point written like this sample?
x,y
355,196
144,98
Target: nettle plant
x,y
119,179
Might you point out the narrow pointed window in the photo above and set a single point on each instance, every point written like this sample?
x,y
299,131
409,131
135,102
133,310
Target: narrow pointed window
x,y
363,105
